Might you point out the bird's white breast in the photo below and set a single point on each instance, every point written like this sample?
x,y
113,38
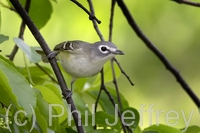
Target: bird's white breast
x,y
81,66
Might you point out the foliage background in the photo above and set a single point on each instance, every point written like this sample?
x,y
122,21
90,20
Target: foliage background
x,y
173,28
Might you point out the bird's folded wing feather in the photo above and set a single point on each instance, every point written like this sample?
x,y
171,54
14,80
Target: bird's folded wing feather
x,y
43,56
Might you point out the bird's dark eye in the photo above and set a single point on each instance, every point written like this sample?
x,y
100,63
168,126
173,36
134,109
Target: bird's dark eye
x,y
103,48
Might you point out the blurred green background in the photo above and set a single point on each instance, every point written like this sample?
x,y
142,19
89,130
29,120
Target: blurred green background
x,y
173,28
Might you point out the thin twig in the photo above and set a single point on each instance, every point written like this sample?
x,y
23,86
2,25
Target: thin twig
x,y
103,87
42,69
102,73
65,91
21,32
94,23
91,16
97,100
123,72
110,39
116,85
187,2
162,58
102,39
113,2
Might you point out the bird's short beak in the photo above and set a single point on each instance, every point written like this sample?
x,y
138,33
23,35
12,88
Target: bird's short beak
x,y
117,52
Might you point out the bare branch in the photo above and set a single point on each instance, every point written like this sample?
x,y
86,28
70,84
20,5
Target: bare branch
x,y
187,2
102,74
65,91
162,58
116,85
21,32
94,23
123,72
103,87
113,2
91,16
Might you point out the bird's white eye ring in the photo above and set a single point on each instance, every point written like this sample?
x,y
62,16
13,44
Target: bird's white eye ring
x,y
104,49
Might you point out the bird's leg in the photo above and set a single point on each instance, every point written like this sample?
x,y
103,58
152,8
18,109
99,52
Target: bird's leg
x,y
70,93
72,82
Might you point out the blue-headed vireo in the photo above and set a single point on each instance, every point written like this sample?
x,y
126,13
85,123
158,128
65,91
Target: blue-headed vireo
x,y
82,59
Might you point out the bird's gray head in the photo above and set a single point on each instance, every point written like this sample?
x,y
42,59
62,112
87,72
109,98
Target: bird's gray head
x,y
105,49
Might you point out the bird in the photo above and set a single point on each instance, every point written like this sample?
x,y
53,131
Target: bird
x,y
82,59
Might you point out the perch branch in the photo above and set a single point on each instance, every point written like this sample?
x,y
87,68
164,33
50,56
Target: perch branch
x,y
162,58
65,91
187,2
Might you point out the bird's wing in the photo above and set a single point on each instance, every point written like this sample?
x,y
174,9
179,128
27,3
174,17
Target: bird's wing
x,y
63,46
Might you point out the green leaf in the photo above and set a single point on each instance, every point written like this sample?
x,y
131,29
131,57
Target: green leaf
x,y
4,98
150,132
36,71
3,38
103,131
3,130
43,112
55,1
40,12
17,88
55,101
108,76
29,51
161,129
82,108
102,119
55,89
9,62
37,75
14,127
80,104
79,84
104,100
137,130
131,117
69,130
0,20
63,130
191,129
41,120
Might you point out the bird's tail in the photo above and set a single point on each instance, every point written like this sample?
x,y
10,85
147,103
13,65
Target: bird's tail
x,y
43,56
